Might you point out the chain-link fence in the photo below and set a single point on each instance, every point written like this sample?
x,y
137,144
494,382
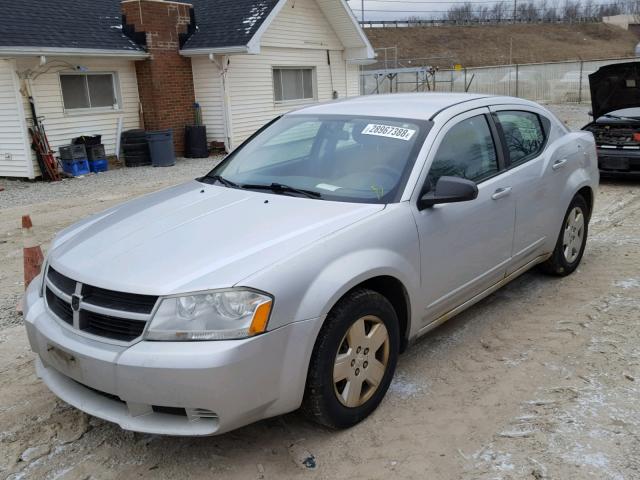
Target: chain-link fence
x,y
558,82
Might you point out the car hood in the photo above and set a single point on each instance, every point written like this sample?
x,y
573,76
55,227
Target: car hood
x,y
195,236
614,87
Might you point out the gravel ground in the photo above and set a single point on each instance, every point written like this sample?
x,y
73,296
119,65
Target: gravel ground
x,y
538,381
18,193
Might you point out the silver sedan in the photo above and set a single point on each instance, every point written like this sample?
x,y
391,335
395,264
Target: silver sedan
x,y
296,271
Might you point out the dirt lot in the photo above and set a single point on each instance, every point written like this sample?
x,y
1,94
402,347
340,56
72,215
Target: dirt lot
x,y
490,45
539,381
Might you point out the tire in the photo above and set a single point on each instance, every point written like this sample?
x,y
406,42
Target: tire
x,y
136,147
571,241
329,403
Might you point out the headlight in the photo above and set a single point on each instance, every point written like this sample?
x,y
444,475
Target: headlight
x,y
215,315
43,272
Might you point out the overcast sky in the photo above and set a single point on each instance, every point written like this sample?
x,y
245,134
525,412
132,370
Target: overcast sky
x,y
400,9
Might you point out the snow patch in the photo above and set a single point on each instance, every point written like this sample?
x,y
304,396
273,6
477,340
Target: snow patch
x,y
629,283
255,15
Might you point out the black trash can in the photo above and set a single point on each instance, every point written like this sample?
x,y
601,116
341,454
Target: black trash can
x,y
161,148
195,141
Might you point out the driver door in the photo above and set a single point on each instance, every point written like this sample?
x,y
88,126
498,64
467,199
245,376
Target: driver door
x,y
465,247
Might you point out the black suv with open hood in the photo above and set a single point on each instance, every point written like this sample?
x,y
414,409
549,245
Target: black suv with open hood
x,y
615,101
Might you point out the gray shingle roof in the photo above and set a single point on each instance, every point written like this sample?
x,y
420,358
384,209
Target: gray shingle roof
x,y
227,23
97,24
85,24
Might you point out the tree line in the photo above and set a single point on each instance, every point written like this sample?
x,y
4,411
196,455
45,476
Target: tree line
x,y
538,11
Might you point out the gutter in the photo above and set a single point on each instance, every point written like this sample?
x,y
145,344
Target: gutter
x,y
190,52
71,52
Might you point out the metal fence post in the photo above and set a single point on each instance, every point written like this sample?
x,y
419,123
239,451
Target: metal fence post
x,y
516,79
580,82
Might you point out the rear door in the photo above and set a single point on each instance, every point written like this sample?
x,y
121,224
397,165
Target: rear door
x,y
465,247
539,172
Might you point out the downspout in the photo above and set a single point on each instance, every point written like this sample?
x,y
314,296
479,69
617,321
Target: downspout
x,y
223,65
23,117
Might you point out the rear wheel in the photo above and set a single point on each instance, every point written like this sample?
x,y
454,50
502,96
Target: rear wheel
x,y
353,360
572,240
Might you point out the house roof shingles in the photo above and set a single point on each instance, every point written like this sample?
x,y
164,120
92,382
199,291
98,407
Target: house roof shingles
x,y
64,24
97,24
227,23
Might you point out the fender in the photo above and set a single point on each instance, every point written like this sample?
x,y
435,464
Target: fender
x,y
308,284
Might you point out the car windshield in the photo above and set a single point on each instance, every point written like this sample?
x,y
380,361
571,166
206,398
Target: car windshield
x,y
350,159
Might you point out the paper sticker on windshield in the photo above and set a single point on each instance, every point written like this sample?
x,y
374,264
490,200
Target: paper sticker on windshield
x,y
388,131
326,186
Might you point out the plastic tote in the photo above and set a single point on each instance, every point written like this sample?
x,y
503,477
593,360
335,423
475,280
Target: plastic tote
x,y
161,148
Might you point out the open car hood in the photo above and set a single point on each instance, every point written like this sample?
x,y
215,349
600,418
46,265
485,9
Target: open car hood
x,y
614,87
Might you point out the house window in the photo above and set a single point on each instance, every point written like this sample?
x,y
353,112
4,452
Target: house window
x,y
89,90
293,84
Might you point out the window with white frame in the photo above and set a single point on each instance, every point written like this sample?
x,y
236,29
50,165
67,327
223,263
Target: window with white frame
x,y
291,84
89,91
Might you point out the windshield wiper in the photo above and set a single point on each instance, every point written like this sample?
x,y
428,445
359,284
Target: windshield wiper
x,y
222,180
280,188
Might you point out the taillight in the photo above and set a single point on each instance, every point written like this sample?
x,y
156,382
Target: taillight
x,y
636,137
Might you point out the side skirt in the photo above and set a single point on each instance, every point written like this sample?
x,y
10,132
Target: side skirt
x,y
473,300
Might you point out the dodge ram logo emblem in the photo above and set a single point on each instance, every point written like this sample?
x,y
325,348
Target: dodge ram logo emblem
x,y
75,302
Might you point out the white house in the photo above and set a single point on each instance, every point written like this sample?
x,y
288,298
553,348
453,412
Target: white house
x,y
303,51
105,67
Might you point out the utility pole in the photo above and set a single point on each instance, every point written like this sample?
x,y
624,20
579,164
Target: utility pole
x,y
362,12
515,9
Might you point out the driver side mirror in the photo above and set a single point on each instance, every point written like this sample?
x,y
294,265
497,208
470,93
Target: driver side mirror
x,y
449,190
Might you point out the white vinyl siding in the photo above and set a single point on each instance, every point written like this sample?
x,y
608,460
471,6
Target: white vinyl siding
x,y
301,24
207,84
62,126
14,142
299,37
250,79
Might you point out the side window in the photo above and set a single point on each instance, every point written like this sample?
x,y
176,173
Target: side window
x,y
466,151
523,134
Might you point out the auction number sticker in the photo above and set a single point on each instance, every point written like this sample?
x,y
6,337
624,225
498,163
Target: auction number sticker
x,y
388,131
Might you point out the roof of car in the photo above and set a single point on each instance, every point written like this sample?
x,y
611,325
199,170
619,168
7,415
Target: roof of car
x,y
399,105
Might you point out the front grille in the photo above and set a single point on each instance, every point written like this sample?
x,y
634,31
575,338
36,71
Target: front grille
x,y
118,300
65,284
111,327
104,313
58,306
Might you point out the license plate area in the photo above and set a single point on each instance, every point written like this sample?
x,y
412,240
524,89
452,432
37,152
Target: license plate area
x,y
63,361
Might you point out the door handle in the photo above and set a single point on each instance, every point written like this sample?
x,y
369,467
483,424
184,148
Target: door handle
x,y
559,164
501,192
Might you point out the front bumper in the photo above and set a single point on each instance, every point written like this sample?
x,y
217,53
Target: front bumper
x,y
613,161
174,388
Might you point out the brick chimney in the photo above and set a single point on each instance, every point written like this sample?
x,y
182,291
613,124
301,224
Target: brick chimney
x,y
165,79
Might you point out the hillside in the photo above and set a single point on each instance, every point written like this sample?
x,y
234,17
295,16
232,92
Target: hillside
x,y
489,44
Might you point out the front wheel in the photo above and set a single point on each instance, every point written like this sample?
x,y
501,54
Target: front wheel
x,y
572,240
353,360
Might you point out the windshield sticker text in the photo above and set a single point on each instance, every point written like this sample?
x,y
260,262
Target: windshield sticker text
x,y
388,131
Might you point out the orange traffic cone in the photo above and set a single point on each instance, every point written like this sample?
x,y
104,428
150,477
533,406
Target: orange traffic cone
x,y
33,258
